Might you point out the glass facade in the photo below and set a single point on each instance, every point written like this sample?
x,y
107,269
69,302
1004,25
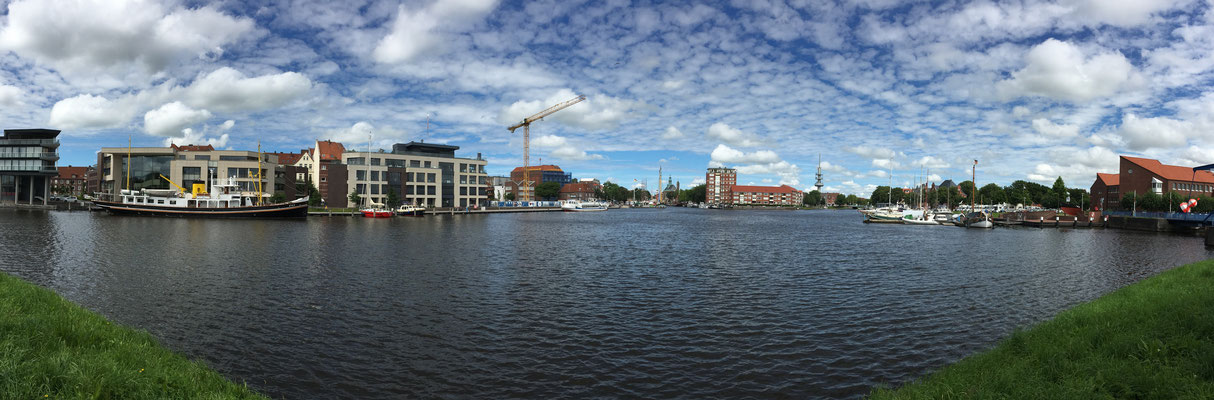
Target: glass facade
x,y
146,171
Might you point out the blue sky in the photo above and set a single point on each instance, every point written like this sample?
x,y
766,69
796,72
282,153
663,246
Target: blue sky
x,y
1032,89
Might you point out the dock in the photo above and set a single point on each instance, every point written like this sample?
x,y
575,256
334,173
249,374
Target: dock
x,y
445,211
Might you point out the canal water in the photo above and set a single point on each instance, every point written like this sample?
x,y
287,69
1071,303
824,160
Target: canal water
x,y
675,303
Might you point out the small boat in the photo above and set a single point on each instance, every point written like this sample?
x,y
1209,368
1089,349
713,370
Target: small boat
x,y
978,219
223,201
409,210
576,205
376,211
925,219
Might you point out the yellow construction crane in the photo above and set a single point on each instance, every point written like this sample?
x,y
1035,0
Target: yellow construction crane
x,y
526,125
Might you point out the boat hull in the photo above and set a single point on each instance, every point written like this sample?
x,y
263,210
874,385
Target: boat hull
x,y
583,209
284,210
414,213
377,214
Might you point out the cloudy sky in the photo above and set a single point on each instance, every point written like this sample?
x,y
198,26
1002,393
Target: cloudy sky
x,y
1032,89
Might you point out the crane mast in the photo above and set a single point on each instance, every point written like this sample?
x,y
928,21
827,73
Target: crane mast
x,y
526,125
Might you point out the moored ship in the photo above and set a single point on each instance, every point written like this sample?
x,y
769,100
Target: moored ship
x,y
222,201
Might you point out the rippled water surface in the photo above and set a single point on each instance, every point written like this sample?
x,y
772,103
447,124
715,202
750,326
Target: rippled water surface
x,y
676,303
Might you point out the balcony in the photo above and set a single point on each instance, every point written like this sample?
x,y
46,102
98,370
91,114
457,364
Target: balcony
x,y
49,156
52,143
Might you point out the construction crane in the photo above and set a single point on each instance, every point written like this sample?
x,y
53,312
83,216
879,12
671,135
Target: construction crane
x,y
526,125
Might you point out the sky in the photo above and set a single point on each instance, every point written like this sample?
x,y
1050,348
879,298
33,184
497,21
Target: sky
x,y
1033,90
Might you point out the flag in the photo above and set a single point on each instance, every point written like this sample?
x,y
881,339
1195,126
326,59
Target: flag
x,y
975,162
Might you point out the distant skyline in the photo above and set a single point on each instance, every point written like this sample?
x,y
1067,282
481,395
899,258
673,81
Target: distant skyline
x,y
1032,89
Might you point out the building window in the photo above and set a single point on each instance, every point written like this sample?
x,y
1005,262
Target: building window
x,y
463,191
375,161
429,176
191,174
463,167
235,158
415,163
374,175
360,175
409,189
374,189
463,179
430,190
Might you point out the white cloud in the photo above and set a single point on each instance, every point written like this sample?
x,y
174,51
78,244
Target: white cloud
x,y
672,133
229,90
930,162
789,174
121,39
886,164
872,152
360,132
595,113
1121,13
1059,70
725,133
1048,128
10,96
421,32
726,155
170,119
1158,132
87,111
189,136
673,84
562,148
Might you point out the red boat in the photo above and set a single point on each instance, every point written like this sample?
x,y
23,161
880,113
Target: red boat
x,y
376,213
1071,209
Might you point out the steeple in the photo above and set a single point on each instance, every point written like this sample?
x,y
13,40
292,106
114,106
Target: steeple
x,y
818,185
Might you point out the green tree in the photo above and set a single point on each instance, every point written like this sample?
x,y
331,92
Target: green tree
x,y
1204,205
967,187
314,198
852,200
812,198
510,196
698,193
393,198
1059,189
1129,201
355,199
278,197
1150,201
992,194
548,190
883,194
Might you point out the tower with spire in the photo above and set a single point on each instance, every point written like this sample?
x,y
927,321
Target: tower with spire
x,y
818,185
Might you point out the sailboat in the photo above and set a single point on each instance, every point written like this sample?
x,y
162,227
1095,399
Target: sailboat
x,y
372,210
925,216
976,219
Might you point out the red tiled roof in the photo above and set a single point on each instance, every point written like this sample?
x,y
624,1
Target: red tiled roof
x,y
329,150
288,158
66,172
538,168
765,189
1109,179
1172,172
191,147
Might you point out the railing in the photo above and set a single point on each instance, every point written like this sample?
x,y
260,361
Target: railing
x,y
29,169
39,142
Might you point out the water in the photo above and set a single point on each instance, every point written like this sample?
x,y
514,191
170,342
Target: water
x,y
676,303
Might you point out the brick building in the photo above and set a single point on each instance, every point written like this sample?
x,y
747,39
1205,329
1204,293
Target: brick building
x,y
585,190
767,195
718,185
72,181
538,174
1106,192
831,198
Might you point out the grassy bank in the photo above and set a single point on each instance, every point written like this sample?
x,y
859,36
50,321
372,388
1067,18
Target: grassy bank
x,y
52,348
1153,339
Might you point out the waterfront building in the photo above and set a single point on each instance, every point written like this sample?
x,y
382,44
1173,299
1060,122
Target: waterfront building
x,y
767,195
71,181
831,198
421,174
670,194
27,165
185,166
718,185
539,174
1142,175
1106,191
583,190
320,165
498,186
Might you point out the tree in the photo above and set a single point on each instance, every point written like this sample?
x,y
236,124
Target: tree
x,y
813,198
992,194
883,194
278,197
1059,189
967,187
1129,201
355,199
509,196
697,194
548,190
852,199
393,198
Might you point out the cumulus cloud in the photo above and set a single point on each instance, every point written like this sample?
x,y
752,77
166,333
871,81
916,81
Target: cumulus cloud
x,y
190,136
872,152
1121,13
1050,129
672,133
788,173
419,32
725,133
930,162
562,148
87,38
10,96
1059,70
595,113
1157,132
87,112
726,155
229,90
170,119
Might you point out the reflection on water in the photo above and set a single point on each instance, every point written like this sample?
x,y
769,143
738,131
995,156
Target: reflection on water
x,y
627,303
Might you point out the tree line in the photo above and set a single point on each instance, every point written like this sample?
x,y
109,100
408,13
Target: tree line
x,y
1019,192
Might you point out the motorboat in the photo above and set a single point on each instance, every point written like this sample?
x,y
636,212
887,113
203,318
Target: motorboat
x,y
578,205
979,219
409,210
222,200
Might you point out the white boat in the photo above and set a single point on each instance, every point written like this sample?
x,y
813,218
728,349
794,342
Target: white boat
x,y
977,220
410,210
925,218
577,205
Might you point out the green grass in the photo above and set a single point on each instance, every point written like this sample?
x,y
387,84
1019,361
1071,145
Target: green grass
x,y
52,348
1150,340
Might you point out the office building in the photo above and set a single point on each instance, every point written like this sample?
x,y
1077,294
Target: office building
x,y
27,165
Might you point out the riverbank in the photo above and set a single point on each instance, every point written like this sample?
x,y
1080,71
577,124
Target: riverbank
x,y
1151,339
52,348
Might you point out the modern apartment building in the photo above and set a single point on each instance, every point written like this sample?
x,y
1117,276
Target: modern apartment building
x,y
27,165
184,165
420,173
718,185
